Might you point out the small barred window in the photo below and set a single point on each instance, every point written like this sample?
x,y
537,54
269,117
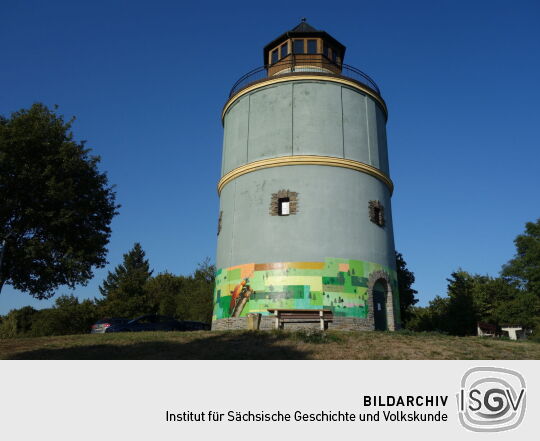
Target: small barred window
x,y
376,213
284,203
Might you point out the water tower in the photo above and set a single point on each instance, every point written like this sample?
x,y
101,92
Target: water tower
x,y
305,219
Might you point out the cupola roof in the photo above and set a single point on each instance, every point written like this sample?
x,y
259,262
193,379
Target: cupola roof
x,y
304,26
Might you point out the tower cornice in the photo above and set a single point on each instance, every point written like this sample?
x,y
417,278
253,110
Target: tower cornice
x,y
282,161
305,77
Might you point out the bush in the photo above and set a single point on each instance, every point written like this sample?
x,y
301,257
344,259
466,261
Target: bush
x,y
69,316
18,322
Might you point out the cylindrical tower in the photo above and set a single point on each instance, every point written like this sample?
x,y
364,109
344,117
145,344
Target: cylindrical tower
x,y
305,220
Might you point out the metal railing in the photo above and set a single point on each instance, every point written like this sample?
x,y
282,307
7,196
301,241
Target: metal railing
x,y
295,65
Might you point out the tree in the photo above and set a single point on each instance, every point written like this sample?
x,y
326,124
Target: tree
x,y
524,268
474,298
438,314
491,296
522,310
56,206
184,297
511,299
433,317
405,279
124,288
462,315
419,319
199,301
164,292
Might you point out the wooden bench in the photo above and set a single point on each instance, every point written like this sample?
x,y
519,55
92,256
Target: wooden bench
x,y
282,316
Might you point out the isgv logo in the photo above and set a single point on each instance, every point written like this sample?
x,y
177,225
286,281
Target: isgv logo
x,y
491,399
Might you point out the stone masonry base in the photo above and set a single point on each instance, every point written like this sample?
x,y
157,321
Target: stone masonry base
x,y
267,323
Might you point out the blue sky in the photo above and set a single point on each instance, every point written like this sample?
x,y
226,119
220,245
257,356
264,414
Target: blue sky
x,y
147,81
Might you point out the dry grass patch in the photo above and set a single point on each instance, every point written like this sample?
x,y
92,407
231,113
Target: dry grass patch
x,y
281,345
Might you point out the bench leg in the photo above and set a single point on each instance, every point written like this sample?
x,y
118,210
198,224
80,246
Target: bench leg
x,y
321,315
276,323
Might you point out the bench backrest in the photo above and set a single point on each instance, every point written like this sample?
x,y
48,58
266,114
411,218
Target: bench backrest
x,y
303,313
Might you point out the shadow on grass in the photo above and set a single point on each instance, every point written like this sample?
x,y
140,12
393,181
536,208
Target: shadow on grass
x,y
245,346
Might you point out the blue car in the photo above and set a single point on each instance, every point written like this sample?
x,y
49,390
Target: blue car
x,y
153,322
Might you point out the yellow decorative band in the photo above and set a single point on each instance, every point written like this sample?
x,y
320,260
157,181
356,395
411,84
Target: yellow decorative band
x,y
284,79
305,160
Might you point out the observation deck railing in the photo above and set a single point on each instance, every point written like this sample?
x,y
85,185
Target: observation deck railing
x,y
308,64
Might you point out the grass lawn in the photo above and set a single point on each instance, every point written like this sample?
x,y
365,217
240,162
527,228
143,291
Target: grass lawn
x,y
267,345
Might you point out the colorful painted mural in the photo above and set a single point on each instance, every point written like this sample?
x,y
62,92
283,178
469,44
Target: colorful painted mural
x,y
336,284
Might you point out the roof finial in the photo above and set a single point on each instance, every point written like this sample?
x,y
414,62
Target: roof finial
x,y
304,19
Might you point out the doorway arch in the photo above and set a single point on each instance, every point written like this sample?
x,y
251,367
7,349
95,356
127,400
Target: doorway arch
x,y
380,301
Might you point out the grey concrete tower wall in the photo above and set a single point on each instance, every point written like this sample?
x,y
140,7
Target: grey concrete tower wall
x,y
320,139
332,218
304,118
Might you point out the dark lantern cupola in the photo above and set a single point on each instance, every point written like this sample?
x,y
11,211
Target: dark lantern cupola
x,y
301,48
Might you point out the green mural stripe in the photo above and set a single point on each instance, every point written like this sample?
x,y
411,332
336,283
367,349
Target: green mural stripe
x,y
338,284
